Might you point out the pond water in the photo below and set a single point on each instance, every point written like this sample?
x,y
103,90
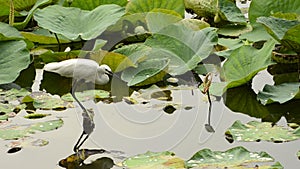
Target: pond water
x,y
135,129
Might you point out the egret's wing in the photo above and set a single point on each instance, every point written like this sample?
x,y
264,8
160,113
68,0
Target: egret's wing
x,y
64,68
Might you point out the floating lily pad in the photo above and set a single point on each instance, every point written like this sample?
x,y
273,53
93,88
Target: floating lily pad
x,y
278,93
166,160
45,101
237,158
86,95
19,131
13,94
257,131
75,23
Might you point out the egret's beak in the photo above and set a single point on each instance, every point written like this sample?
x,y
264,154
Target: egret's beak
x,y
108,72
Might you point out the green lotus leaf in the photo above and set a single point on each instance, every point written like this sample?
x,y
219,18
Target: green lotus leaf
x,y
19,131
151,70
166,160
278,93
259,8
14,57
22,25
117,62
245,62
43,36
194,46
257,131
75,23
51,56
87,95
237,157
135,52
155,25
194,24
285,31
218,10
8,32
92,4
142,6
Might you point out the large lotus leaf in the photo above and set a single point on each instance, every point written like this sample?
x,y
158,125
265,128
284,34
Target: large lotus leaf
x,y
245,62
151,70
43,36
194,46
216,9
194,24
166,160
14,57
278,93
19,5
231,12
74,22
267,8
8,32
117,62
257,131
285,31
237,158
136,52
86,95
155,25
19,131
51,56
141,6
92,4
22,25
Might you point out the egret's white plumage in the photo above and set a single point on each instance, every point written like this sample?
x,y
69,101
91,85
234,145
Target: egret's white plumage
x,y
80,68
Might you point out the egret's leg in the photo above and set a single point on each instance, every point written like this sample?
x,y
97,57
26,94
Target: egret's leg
x,y
79,142
75,84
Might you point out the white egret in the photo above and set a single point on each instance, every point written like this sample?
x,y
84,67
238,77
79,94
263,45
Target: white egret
x,y
79,68
82,70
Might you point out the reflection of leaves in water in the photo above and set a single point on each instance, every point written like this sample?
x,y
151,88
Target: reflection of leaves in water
x,y
243,99
232,158
257,131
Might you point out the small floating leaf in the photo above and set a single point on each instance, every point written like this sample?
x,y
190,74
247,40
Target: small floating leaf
x,y
232,158
154,160
35,116
256,131
47,126
87,95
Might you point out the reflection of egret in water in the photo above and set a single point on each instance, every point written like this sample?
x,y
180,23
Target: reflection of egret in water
x,y
206,84
82,70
